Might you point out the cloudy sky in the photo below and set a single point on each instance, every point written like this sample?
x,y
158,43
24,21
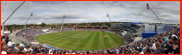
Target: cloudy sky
x,y
90,11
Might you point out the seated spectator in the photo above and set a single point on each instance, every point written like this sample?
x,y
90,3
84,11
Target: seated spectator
x,y
9,43
3,39
126,52
17,47
21,50
117,51
3,43
7,40
160,40
31,49
140,51
25,48
10,51
22,44
13,45
176,47
169,47
153,45
4,51
165,42
148,51
158,50
134,52
163,38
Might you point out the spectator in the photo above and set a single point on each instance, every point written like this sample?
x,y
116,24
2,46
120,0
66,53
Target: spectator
x,y
148,51
9,43
179,30
4,38
29,45
4,50
153,45
3,43
160,40
25,48
22,44
7,40
117,51
38,52
163,38
169,47
17,47
13,45
165,42
21,50
108,51
140,51
126,52
158,50
31,49
10,51
134,52
176,47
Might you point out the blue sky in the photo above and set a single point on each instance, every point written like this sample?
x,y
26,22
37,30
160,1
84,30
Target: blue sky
x,y
90,11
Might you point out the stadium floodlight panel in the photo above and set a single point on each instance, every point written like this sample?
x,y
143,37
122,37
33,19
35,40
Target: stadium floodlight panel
x,y
31,14
64,16
10,16
107,15
147,6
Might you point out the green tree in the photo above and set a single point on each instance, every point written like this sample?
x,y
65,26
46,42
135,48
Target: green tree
x,y
43,25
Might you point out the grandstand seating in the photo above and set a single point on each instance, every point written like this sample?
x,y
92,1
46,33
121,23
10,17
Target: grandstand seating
x,y
145,46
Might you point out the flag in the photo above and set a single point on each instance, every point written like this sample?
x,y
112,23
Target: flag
x,y
148,6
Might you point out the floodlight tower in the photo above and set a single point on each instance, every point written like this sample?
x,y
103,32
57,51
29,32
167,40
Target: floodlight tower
x,y
109,18
28,19
64,16
148,7
10,16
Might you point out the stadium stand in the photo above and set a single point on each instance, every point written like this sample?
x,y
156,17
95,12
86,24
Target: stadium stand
x,y
30,34
163,43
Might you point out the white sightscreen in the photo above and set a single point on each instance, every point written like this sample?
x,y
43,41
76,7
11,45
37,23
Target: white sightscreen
x,y
149,28
160,27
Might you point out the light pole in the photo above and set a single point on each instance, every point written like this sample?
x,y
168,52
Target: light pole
x,y
28,19
109,18
148,7
64,16
10,16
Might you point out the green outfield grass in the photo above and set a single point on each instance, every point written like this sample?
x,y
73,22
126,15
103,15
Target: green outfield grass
x,y
81,40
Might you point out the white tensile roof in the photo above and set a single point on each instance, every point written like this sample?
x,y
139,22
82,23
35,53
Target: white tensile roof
x,y
5,32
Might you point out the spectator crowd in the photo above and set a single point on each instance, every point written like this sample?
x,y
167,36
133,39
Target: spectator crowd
x,y
30,34
163,43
